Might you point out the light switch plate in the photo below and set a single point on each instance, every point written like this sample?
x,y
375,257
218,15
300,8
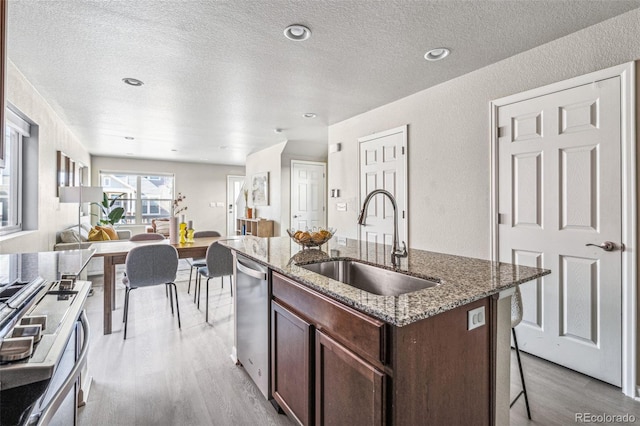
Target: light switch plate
x,y
475,318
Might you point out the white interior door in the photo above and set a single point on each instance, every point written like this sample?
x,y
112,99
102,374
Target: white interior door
x,y
383,165
559,166
308,194
234,186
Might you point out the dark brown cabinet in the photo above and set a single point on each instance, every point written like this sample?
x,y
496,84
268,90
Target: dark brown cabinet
x,y
349,391
291,356
326,358
334,365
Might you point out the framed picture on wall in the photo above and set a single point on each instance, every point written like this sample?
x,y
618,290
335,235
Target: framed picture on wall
x,y
260,189
68,171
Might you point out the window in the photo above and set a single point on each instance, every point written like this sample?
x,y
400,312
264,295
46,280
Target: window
x,y
145,197
11,182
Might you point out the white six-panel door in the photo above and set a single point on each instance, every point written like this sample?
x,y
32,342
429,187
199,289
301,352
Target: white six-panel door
x,y
559,190
383,166
308,194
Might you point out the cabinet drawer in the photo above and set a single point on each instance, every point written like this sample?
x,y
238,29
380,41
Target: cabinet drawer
x,y
364,335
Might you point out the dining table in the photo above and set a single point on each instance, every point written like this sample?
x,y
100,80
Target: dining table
x,y
115,253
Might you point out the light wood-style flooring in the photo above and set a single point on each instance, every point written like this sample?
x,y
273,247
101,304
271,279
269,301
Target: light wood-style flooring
x,y
556,394
162,375
165,376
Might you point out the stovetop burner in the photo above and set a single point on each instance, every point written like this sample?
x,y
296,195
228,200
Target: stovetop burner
x,y
8,291
16,299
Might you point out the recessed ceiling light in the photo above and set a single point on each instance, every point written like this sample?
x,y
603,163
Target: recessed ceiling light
x,y
223,147
297,32
129,138
174,150
132,81
277,130
437,54
129,153
309,115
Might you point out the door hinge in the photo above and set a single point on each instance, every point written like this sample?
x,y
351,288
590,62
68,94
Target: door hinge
x,y
403,214
403,150
502,131
502,218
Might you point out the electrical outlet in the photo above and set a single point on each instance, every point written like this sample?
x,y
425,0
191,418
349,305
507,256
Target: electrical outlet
x,y
475,318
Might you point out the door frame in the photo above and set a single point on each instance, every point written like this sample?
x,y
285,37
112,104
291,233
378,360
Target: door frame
x,y
627,74
404,129
226,207
324,190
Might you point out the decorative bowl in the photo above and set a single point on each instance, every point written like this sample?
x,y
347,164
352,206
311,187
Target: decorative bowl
x,y
311,238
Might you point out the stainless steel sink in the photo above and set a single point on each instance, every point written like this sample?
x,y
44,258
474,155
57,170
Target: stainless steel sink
x,y
371,279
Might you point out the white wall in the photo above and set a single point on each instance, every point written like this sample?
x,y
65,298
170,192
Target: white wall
x,y
277,161
200,183
53,135
449,137
268,160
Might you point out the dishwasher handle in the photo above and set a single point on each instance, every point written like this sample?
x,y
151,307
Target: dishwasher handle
x,y
262,276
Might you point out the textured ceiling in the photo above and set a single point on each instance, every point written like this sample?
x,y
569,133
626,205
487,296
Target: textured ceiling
x,y
220,75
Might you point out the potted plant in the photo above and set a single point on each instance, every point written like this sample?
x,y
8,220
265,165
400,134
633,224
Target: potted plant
x,y
110,215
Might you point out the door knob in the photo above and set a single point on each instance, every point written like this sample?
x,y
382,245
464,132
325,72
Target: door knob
x,y
606,246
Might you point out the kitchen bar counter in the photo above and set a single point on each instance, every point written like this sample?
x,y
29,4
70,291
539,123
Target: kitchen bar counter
x,y
462,279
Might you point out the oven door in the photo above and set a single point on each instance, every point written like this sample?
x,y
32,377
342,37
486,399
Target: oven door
x,y
58,406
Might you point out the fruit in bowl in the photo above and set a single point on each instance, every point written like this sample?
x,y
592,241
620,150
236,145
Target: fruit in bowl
x,y
311,238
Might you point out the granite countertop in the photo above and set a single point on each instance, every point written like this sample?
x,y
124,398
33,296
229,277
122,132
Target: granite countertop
x,y
462,279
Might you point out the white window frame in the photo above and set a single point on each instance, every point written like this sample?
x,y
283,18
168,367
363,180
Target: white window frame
x,y
19,129
138,199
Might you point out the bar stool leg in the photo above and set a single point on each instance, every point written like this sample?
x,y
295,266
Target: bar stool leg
x,y
524,388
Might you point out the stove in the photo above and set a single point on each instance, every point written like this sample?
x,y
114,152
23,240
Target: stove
x,y
42,321
15,299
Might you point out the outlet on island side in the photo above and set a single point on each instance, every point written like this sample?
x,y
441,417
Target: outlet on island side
x,y
475,318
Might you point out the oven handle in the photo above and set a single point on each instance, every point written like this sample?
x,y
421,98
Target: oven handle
x,y
59,397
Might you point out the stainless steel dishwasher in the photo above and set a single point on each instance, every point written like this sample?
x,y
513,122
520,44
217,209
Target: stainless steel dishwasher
x,y
252,320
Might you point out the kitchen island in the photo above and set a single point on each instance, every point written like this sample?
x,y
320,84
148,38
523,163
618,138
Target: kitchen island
x,y
421,357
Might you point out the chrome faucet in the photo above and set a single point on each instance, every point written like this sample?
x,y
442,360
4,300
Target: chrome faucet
x,y
396,251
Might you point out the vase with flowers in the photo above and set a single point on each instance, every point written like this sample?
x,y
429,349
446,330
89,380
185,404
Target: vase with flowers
x,y
247,214
175,209
176,232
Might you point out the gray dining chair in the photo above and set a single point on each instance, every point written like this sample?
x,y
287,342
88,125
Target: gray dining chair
x,y
516,317
219,263
199,263
148,236
150,265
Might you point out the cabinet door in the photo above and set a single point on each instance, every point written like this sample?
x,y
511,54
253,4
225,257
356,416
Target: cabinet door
x,y
349,391
291,381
